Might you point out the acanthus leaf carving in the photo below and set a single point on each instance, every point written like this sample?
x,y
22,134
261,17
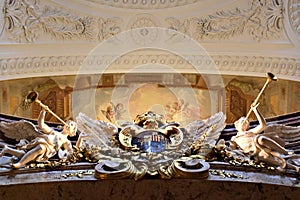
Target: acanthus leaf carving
x,y
108,27
263,20
63,25
27,21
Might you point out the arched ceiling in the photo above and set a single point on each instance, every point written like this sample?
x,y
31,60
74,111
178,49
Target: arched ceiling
x,y
240,37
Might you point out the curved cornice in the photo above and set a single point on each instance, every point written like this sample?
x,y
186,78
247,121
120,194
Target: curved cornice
x,y
284,68
144,4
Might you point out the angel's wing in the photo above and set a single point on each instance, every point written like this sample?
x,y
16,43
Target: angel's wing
x,y
288,136
19,130
203,134
95,132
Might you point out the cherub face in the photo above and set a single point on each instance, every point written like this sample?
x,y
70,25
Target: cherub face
x,y
119,107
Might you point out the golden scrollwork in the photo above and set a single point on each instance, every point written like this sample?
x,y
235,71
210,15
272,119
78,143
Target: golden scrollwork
x,y
185,167
119,169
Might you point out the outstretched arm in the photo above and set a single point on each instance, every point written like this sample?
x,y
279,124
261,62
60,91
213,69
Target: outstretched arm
x,y
262,122
41,122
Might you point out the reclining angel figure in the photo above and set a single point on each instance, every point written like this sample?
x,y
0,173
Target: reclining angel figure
x,y
44,145
259,144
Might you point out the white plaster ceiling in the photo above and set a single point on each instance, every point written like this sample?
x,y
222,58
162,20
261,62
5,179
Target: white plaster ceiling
x,y
241,37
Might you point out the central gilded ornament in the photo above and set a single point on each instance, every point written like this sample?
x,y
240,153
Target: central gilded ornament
x,y
149,133
149,146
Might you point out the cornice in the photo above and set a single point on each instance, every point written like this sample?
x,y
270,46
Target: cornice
x,y
28,67
144,4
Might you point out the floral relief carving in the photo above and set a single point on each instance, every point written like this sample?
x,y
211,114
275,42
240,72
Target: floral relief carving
x,y
108,27
144,26
263,20
27,21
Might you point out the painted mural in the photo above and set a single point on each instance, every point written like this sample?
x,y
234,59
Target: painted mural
x,y
175,104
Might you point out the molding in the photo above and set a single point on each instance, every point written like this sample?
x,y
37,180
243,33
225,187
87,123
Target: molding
x,y
292,21
144,4
2,17
37,26
31,22
28,67
142,22
294,16
262,21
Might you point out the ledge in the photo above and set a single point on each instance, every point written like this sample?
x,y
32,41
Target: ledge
x,y
67,184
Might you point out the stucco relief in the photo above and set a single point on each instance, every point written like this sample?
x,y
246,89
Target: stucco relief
x,y
28,21
262,20
144,4
293,20
146,25
287,68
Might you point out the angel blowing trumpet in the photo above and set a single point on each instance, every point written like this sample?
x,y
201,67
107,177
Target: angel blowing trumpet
x,y
256,142
43,145
33,97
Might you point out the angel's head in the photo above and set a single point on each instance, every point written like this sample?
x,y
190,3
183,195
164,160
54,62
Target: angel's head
x,y
242,124
70,128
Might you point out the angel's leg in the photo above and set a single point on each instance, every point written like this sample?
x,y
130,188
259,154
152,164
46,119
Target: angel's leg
x,y
29,156
269,143
273,159
13,152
